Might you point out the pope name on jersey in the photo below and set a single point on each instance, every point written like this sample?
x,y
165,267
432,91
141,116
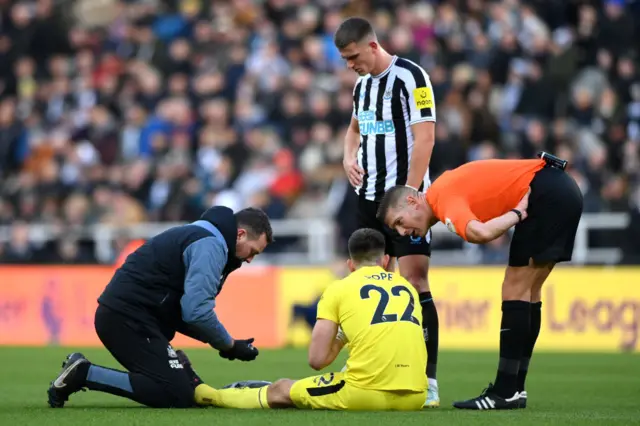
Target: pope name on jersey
x,y
385,106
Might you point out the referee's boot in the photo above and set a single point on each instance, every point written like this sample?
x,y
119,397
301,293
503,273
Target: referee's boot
x,y
71,379
489,400
188,367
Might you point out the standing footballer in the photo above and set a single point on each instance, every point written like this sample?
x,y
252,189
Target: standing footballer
x,y
389,143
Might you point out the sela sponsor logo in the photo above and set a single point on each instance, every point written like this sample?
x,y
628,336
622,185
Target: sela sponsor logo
x,y
366,116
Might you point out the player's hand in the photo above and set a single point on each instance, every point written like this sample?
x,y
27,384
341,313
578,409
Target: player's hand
x,y
523,205
353,170
242,350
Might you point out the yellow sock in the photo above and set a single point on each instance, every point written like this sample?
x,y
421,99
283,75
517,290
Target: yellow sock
x,y
232,398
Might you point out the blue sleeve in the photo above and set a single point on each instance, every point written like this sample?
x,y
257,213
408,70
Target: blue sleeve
x,y
22,150
204,261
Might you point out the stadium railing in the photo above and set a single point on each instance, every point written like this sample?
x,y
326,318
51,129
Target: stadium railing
x,y
317,241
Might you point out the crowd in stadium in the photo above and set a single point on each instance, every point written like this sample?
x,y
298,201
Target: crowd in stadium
x,y
130,111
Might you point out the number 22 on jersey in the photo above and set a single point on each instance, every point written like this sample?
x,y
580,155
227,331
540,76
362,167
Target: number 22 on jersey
x,y
379,316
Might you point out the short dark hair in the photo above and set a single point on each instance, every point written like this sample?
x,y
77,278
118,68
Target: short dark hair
x,y
366,245
352,30
393,198
256,222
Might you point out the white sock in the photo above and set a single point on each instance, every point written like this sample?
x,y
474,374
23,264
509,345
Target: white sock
x,y
433,383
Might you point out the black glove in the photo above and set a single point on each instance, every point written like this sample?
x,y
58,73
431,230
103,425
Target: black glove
x,y
242,350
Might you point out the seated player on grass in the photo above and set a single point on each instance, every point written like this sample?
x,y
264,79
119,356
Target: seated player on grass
x,y
376,313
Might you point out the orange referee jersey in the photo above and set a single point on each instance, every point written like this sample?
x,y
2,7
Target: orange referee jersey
x,y
480,190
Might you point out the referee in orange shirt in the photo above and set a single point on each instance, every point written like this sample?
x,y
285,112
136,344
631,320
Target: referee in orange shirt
x,y
481,201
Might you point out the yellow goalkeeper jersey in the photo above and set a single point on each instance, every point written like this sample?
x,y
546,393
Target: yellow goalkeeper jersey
x,y
380,314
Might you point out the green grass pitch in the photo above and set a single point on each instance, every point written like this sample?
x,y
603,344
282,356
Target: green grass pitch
x,y
564,389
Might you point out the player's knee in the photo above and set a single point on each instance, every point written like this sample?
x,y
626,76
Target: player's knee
x,y
181,396
278,393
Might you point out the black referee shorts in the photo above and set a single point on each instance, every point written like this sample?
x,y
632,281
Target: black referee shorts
x,y
548,233
396,245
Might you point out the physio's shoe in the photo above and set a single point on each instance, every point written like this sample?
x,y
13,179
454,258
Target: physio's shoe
x,y
69,380
489,400
433,397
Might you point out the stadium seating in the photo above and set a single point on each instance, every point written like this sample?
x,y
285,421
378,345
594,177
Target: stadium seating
x,y
149,111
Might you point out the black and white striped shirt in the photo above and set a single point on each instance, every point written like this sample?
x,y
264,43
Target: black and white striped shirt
x,y
386,105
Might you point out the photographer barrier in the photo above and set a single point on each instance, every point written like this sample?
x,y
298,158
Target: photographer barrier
x,y
584,309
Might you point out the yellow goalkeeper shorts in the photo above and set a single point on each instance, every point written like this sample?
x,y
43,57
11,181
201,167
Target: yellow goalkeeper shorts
x,y
331,392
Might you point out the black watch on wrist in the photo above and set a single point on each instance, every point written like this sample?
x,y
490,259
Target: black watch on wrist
x,y
519,213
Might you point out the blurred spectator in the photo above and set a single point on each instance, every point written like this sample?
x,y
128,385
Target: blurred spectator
x,y
132,111
19,249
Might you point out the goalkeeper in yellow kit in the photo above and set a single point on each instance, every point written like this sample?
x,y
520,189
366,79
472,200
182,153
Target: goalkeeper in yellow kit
x,y
376,314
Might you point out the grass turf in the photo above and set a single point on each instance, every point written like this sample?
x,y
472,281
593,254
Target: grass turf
x,y
564,389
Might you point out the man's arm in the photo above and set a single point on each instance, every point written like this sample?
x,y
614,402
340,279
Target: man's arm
x,y
481,233
352,139
422,118
204,261
350,160
424,137
325,344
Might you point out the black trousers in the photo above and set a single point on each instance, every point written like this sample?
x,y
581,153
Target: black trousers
x,y
157,378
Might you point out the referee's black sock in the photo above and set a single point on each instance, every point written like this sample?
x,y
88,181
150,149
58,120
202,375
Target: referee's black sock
x,y
430,326
514,332
530,343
